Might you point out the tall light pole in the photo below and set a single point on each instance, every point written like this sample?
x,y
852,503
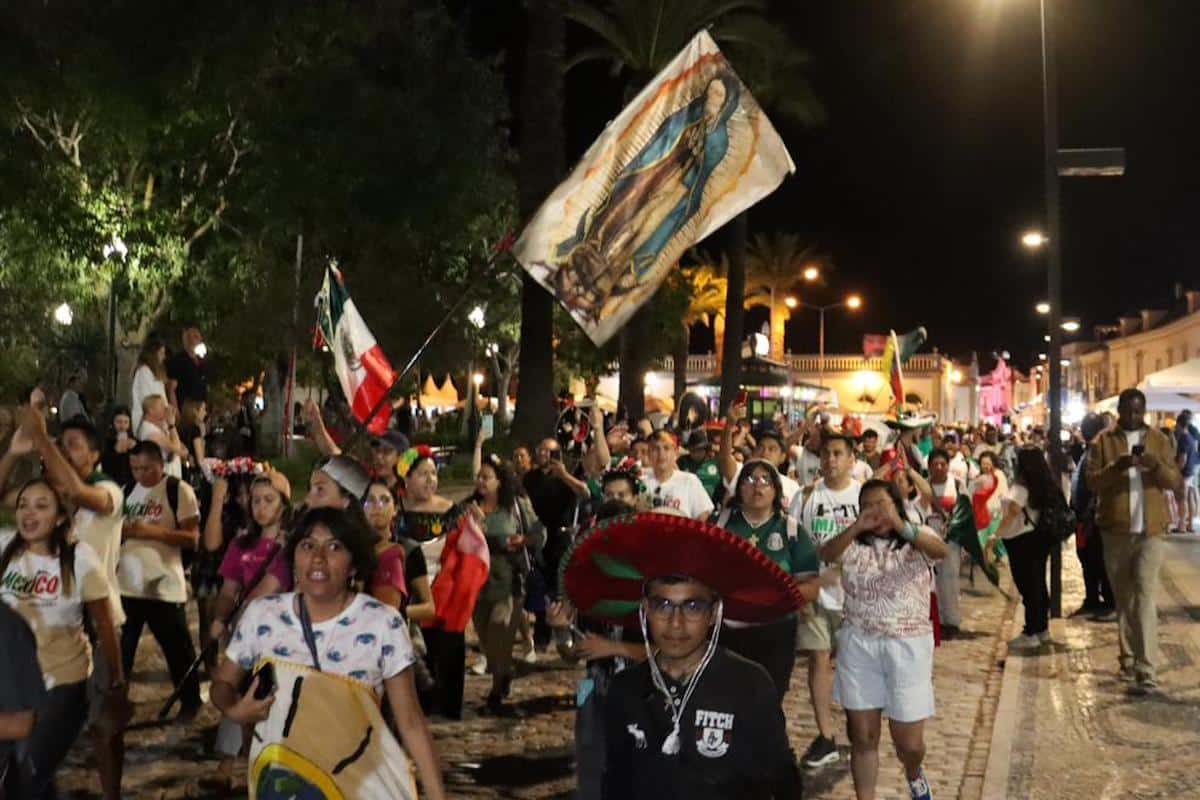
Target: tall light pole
x,y
852,302
116,247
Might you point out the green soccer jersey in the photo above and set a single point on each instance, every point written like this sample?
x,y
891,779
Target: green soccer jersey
x,y
794,554
707,471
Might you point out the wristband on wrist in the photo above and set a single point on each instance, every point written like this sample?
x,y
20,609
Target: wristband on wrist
x,y
909,532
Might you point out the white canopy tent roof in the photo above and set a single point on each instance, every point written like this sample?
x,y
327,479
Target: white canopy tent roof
x,y
1156,400
1181,379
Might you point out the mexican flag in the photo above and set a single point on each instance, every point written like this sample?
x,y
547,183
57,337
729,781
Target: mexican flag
x,y
897,353
362,368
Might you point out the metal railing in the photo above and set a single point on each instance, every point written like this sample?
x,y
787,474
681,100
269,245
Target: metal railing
x,y
922,363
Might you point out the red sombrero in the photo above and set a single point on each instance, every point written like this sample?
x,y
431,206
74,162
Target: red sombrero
x,y
606,568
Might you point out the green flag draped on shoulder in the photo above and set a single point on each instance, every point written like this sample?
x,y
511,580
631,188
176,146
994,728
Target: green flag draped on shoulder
x,y
961,530
692,151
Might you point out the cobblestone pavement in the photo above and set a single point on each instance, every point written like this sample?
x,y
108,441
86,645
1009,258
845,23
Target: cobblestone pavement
x,y
531,756
1069,730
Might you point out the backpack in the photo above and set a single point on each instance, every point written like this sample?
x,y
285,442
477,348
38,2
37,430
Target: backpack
x,y
1056,522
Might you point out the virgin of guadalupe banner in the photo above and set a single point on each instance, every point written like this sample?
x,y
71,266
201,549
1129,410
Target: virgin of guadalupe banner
x,y
692,151
326,740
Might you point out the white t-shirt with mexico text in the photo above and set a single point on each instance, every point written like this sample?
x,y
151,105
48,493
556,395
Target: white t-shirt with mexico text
x,y
32,585
825,513
682,492
103,533
154,570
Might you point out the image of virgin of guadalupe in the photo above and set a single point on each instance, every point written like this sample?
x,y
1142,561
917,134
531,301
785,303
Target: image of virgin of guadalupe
x,y
653,197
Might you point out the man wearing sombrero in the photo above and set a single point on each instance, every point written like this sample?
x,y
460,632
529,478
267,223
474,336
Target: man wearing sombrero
x,y
694,720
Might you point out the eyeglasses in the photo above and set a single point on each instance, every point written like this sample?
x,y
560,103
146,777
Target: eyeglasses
x,y
379,502
759,480
694,608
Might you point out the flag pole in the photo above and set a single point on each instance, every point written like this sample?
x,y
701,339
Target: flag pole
x,y
502,247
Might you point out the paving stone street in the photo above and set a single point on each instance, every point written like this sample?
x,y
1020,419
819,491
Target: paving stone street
x,y
1067,728
531,756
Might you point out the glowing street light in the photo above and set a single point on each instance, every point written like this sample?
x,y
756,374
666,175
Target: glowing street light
x,y
1071,325
1041,356
853,302
790,301
1046,338
115,247
811,274
1034,239
63,315
476,317
477,379
956,376
1042,307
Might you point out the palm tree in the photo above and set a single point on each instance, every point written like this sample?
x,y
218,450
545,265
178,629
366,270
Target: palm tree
x,y
639,37
705,285
542,164
774,268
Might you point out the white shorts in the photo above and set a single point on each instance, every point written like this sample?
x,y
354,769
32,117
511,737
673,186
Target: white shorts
x,y
881,672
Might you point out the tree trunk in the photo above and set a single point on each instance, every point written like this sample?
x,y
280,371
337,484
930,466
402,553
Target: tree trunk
x,y
735,317
632,389
680,358
779,318
270,433
542,163
718,327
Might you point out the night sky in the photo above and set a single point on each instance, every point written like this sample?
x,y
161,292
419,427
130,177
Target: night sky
x,y
930,164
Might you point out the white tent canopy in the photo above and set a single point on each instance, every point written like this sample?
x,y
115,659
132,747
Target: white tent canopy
x,y
1156,400
1181,379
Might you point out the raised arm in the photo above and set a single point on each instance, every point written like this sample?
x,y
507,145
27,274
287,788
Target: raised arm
x,y
317,431
60,472
725,460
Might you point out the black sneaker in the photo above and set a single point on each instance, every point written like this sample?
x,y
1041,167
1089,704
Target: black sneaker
x,y
822,751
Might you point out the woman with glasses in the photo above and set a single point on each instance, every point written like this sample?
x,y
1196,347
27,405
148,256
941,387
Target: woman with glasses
x,y
756,514
323,659
885,644
402,578
513,532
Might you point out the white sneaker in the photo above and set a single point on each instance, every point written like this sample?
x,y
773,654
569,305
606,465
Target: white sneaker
x,y
480,666
1024,642
531,657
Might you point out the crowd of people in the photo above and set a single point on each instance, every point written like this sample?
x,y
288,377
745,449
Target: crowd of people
x,y
690,567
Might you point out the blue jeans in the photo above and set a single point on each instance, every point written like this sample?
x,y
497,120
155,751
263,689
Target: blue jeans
x,y
59,721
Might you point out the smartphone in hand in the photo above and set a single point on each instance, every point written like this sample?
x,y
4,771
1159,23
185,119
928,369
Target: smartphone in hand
x,y
1138,450
266,682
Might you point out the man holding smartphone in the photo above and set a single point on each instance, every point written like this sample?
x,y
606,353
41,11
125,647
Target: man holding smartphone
x,y
1130,469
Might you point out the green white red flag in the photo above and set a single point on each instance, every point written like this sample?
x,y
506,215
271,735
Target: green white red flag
x,y
692,151
897,353
362,369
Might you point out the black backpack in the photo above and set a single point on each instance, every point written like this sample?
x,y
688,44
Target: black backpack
x,y
1056,522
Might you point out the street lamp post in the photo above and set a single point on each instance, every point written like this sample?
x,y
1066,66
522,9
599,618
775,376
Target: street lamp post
x,y
115,247
853,302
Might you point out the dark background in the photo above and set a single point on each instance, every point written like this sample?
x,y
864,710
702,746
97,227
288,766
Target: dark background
x,y
930,164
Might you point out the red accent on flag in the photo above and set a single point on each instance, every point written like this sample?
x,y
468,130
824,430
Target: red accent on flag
x,y
371,391
874,344
465,567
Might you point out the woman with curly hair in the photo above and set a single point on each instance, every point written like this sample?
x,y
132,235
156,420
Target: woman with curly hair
x,y
514,533
334,653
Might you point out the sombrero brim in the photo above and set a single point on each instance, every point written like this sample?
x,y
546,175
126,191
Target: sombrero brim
x,y
910,423
605,570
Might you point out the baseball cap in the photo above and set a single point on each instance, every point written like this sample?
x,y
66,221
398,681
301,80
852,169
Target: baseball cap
x,y
393,439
